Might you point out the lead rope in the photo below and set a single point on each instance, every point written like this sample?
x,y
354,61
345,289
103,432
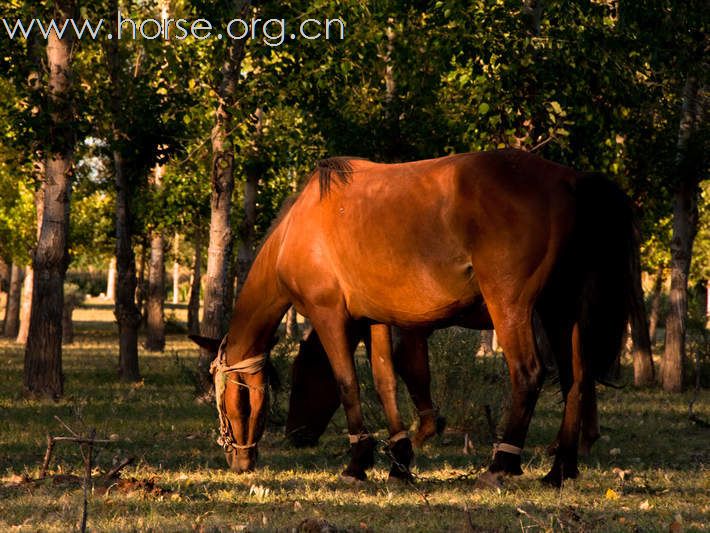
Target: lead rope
x,y
220,372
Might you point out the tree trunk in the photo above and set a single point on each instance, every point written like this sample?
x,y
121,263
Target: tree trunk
x,y
26,307
43,351
292,323
247,237
141,290
111,280
127,315
193,306
685,219
155,304
214,319
655,310
12,309
247,229
486,346
67,324
644,373
176,269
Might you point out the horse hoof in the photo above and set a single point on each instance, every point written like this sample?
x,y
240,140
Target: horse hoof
x,y
397,475
552,479
352,479
489,480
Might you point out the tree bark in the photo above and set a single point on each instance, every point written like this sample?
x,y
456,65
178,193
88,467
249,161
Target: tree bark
x,y
127,315
26,307
685,220
247,229
193,306
247,233
292,323
486,345
655,310
67,324
141,289
176,269
214,319
644,373
12,309
43,351
155,304
111,280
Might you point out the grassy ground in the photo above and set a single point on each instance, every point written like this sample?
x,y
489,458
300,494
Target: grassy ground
x,y
648,473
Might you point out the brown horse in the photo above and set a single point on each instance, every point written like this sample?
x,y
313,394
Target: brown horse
x,y
420,244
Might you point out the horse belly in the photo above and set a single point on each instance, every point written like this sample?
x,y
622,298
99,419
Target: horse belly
x,y
413,297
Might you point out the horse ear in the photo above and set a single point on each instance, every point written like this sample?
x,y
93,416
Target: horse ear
x,y
209,344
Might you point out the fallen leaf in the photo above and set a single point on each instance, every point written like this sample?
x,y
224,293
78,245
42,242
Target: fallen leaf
x,y
644,505
611,494
623,474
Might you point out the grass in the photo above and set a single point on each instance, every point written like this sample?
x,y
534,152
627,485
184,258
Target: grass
x,y
650,469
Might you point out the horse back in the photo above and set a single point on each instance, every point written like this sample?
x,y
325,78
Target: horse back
x,y
411,243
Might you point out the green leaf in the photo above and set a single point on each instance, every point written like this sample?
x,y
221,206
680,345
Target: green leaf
x,y
556,107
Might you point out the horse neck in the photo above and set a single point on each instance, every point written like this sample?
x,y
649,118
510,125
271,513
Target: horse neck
x,y
259,308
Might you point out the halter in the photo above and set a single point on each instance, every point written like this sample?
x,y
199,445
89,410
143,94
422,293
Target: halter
x,y
220,371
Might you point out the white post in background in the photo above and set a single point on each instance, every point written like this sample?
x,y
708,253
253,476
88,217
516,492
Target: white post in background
x,y
176,268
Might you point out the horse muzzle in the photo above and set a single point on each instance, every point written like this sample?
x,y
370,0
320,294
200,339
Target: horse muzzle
x,y
243,460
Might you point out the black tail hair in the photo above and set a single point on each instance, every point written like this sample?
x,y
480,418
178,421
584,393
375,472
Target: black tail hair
x,y
608,255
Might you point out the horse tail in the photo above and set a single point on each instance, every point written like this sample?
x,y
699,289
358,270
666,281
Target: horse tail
x,y
607,250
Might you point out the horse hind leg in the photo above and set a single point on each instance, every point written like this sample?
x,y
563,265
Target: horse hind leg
x,y
565,463
590,418
400,446
515,332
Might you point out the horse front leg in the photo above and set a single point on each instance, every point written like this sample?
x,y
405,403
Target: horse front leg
x,y
338,339
400,446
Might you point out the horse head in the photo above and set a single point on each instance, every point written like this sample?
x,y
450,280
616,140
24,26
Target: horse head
x,y
241,397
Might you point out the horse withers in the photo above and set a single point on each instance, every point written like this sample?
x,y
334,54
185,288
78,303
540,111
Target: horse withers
x,y
418,244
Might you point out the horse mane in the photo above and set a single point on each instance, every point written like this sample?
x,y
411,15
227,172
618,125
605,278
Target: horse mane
x,y
341,167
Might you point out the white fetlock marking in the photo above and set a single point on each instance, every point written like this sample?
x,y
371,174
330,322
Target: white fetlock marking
x,y
354,439
507,448
399,436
